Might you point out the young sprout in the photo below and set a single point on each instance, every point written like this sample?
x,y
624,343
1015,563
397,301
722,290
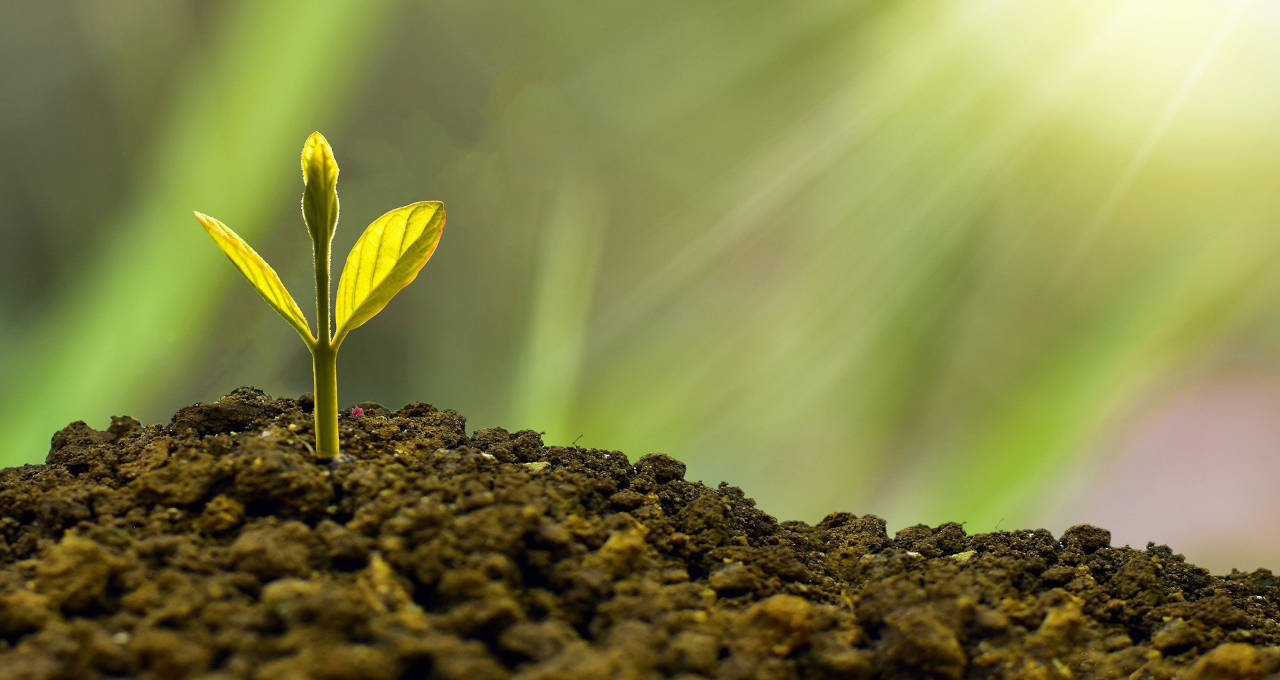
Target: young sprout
x,y
386,258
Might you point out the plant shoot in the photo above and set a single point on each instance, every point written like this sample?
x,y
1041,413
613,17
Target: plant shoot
x,y
385,259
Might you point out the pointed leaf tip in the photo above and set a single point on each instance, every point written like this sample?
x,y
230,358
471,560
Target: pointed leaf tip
x,y
320,195
317,160
260,274
386,258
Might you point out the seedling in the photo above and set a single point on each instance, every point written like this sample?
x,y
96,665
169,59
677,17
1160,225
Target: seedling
x,y
386,258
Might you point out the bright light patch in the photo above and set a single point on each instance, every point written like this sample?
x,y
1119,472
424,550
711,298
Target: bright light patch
x,y
1123,68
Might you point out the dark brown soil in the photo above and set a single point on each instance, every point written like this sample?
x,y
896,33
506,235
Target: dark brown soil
x,y
216,547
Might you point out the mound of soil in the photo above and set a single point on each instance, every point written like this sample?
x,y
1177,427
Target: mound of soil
x,y
217,547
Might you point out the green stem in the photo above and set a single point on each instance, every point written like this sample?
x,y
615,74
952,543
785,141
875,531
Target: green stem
x,y
324,360
324,364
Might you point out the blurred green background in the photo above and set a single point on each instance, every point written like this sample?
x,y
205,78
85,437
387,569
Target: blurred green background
x,y
1001,262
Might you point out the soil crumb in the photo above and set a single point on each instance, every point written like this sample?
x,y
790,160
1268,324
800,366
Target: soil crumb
x,y
217,547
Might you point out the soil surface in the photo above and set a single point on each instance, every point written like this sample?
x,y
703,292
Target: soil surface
x,y
217,547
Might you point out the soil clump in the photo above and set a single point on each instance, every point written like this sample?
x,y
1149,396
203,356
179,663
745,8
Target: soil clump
x,y
217,547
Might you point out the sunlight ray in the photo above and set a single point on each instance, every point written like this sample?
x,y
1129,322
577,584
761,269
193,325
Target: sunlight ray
x,y
1106,210
812,147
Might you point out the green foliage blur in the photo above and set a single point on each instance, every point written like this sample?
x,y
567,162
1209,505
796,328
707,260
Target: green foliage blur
x,y
913,258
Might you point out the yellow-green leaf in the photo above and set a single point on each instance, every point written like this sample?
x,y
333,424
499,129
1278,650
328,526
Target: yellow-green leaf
x,y
386,258
320,197
260,274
